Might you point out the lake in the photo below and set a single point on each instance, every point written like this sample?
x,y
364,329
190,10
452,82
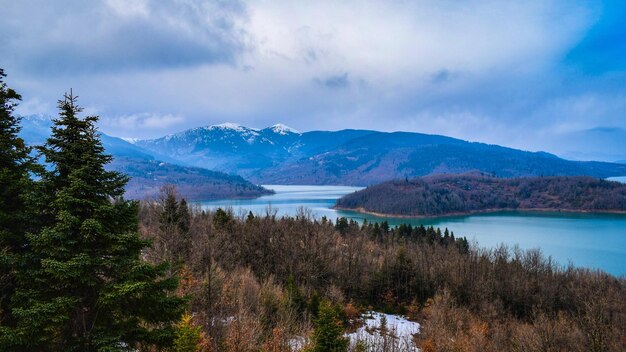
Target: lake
x,y
589,240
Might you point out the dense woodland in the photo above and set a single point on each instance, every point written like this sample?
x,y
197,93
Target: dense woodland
x,y
255,282
82,269
461,194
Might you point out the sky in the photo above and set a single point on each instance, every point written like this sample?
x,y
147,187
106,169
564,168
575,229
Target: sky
x,y
535,75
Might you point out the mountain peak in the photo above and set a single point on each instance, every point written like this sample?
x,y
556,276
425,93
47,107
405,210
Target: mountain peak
x,y
283,129
231,126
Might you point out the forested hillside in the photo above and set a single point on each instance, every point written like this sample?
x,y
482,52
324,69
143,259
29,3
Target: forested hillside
x,y
147,177
463,194
149,170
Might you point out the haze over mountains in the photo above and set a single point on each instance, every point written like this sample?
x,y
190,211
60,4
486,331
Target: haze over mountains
x,y
282,155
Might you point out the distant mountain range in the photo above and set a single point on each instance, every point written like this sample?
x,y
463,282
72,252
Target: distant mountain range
x,y
282,155
149,170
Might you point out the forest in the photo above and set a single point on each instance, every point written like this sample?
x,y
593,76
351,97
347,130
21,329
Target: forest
x,y
256,283
83,269
476,192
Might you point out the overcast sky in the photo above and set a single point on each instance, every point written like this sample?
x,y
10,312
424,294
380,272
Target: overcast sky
x,y
527,74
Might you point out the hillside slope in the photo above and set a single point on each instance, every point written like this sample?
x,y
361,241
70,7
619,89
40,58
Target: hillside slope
x,y
193,183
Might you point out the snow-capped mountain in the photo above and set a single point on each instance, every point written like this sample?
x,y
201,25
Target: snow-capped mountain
x,y
227,146
150,170
281,155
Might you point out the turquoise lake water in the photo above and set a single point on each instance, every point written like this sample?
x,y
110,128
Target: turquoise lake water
x,y
589,240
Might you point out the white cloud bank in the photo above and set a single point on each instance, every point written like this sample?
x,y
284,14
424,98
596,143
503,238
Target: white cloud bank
x,y
480,70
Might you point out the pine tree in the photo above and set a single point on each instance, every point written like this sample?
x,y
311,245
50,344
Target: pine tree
x,y
296,299
328,333
17,206
174,224
90,290
189,338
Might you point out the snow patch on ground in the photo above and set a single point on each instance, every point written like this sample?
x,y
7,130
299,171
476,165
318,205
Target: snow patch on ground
x,y
297,343
397,336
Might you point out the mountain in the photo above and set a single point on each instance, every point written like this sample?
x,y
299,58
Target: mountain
x,y
282,155
150,170
228,147
442,195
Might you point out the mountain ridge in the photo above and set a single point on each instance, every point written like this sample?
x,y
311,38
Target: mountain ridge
x,y
356,157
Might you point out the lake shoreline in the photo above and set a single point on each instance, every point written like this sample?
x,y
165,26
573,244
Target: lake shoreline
x,y
590,240
361,210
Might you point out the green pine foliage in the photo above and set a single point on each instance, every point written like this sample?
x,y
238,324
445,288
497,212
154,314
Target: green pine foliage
x,y
88,289
17,206
328,333
174,221
295,296
188,336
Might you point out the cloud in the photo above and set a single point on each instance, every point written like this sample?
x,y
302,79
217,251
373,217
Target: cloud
x,y
72,37
33,106
141,121
513,73
334,81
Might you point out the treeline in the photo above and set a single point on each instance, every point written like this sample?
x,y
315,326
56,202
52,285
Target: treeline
x,y
469,193
256,283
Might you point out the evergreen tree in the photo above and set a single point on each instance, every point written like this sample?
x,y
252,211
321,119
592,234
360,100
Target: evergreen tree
x,y
328,333
17,205
175,222
221,219
295,296
342,225
170,215
188,337
184,218
90,291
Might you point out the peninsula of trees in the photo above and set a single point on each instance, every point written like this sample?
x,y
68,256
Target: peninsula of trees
x,y
443,195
